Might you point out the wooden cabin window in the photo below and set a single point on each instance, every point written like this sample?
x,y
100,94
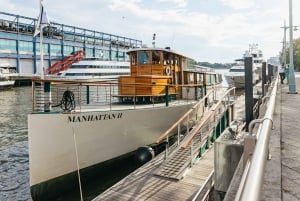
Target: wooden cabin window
x,y
190,78
199,78
133,58
144,57
166,58
156,57
176,61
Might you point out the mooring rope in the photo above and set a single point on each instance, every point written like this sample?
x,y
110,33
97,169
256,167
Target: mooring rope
x,y
67,102
77,161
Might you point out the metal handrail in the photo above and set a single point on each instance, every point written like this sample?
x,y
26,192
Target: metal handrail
x,y
177,123
210,114
251,188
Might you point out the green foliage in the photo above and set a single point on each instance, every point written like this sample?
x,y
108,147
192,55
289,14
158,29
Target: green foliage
x,y
214,65
296,51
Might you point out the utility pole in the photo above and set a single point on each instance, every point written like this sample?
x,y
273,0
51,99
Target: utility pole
x,y
292,85
284,43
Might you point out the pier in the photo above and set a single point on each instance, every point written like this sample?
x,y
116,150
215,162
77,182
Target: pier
x,y
280,166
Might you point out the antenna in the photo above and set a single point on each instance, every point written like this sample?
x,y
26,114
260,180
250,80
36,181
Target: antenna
x,y
153,40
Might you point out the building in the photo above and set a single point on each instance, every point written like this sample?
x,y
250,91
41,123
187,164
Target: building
x,y
19,49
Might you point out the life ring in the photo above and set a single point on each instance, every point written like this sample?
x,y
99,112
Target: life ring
x,y
168,70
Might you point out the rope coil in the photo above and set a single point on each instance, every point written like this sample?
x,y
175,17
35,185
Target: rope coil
x,y
67,102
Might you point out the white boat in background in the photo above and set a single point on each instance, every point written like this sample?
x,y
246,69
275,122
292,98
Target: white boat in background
x,y
102,121
96,68
236,74
5,77
257,57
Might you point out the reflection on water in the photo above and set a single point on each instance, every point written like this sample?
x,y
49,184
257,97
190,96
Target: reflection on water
x,y
14,177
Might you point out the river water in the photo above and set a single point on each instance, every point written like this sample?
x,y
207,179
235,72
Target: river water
x,y
15,105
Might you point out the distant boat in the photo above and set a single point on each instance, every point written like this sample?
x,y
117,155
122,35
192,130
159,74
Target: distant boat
x,y
96,68
5,77
112,119
257,56
236,74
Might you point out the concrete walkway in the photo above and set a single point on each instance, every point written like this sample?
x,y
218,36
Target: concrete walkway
x,y
282,174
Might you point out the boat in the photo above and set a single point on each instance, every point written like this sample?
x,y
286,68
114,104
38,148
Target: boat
x,y
78,126
257,57
96,68
236,74
5,77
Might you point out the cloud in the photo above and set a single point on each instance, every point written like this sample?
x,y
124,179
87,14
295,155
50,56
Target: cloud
x,y
206,29
178,3
238,4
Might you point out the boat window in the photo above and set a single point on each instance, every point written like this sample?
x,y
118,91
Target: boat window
x,y
166,58
190,78
133,58
144,57
236,70
199,78
156,57
176,61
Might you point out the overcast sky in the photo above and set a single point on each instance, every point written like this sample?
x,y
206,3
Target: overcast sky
x,y
206,30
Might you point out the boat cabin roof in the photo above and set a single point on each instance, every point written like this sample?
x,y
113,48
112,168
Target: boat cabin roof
x,y
167,49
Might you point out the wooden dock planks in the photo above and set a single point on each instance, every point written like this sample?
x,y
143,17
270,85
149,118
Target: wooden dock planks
x,y
143,184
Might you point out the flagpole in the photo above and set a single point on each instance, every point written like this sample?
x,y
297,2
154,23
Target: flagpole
x,y
41,46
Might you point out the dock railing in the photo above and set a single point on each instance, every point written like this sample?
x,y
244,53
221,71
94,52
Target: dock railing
x,y
254,167
209,119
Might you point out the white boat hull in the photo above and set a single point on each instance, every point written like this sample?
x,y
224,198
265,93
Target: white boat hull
x,y
100,136
4,84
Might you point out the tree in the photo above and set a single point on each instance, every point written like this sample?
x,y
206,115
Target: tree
x,y
296,54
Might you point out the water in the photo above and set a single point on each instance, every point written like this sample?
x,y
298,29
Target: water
x,y
14,173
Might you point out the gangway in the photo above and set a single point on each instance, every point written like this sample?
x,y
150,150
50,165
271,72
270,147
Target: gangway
x,y
66,63
164,177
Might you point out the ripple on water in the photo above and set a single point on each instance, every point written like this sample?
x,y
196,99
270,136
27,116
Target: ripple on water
x,y
14,178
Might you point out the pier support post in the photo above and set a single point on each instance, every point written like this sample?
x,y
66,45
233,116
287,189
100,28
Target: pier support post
x,y
227,154
263,78
270,73
248,90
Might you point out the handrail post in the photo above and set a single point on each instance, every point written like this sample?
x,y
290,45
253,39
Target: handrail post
x,y
178,134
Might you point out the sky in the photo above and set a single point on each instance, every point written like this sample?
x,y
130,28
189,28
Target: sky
x,y
216,31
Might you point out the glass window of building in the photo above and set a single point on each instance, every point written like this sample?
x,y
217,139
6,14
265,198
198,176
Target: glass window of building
x,y
45,46
89,52
8,45
55,49
68,50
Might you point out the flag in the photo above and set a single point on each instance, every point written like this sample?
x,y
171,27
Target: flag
x,y
42,20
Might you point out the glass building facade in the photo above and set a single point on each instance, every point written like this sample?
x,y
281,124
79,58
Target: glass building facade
x,y
19,49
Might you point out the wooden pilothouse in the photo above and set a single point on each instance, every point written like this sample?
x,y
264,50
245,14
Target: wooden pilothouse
x,y
155,72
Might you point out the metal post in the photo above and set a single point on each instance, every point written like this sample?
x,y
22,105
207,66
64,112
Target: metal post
x,y
87,94
47,97
248,90
270,73
167,95
292,85
263,77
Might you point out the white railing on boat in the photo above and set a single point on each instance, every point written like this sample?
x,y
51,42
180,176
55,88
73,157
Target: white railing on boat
x,y
102,95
